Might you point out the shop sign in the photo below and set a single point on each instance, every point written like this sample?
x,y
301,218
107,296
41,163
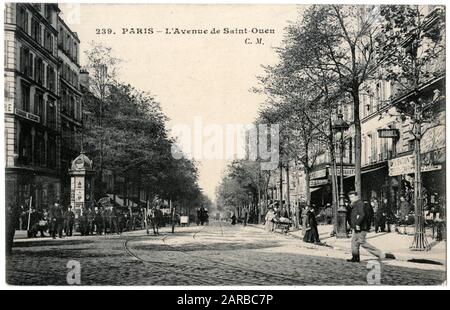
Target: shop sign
x,y
347,171
316,183
405,165
388,133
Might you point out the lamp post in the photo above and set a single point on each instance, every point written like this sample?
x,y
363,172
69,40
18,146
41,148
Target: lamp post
x,y
341,126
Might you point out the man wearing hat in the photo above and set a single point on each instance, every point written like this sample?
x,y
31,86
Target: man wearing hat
x,y
360,224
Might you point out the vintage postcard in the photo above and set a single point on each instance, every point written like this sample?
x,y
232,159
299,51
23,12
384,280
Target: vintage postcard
x,y
224,145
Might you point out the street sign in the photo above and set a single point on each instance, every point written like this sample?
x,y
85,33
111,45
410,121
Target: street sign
x,y
388,133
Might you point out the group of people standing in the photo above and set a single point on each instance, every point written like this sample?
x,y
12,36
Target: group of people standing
x,y
307,220
55,220
59,221
102,221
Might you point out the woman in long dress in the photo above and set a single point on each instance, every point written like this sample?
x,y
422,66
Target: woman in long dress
x,y
270,215
311,234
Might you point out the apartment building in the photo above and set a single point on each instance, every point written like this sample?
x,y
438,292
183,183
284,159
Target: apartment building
x,y
34,88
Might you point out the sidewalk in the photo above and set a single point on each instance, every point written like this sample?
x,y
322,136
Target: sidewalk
x,y
388,242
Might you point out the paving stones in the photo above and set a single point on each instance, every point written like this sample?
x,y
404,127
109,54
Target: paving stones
x,y
218,254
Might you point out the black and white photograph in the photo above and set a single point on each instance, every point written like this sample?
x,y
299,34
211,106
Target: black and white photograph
x,y
224,145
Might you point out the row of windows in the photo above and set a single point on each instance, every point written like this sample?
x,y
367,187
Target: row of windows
x,y
42,37
45,9
68,44
27,60
70,105
70,75
47,113
44,154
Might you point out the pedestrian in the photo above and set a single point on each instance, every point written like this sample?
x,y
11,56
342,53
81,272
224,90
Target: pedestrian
x,y
113,223
34,223
311,234
23,218
69,221
305,219
374,205
245,215
361,219
328,214
380,215
90,215
120,220
404,209
56,218
233,219
98,221
42,222
82,220
12,216
270,215
348,215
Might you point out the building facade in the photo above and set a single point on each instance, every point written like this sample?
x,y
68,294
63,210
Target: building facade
x,y
32,109
70,102
387,142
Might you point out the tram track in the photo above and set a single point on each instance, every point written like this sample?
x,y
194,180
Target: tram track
x,y
239,269
167,267
246,268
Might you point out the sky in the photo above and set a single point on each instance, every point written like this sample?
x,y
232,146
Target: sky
x,y
207,77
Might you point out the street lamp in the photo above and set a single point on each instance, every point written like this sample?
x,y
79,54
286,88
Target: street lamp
x,y
341,228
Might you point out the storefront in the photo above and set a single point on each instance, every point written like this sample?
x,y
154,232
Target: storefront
x,y
21,184
433,165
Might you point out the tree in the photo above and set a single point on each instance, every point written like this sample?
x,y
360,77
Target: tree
x,y
102,68
127,135
411,44
343,39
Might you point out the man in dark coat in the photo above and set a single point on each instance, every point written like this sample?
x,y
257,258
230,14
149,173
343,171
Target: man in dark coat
x,y
99,221
380,216
56,218
360,224
12,216
69,220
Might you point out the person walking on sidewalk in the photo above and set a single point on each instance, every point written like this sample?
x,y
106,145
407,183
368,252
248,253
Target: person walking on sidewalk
x,y
311,234
360,222
270,215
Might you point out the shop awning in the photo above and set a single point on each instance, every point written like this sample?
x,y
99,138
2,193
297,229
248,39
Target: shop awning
x,y
120,201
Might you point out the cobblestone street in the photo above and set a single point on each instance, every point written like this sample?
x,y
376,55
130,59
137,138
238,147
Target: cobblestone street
x,y
218,254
